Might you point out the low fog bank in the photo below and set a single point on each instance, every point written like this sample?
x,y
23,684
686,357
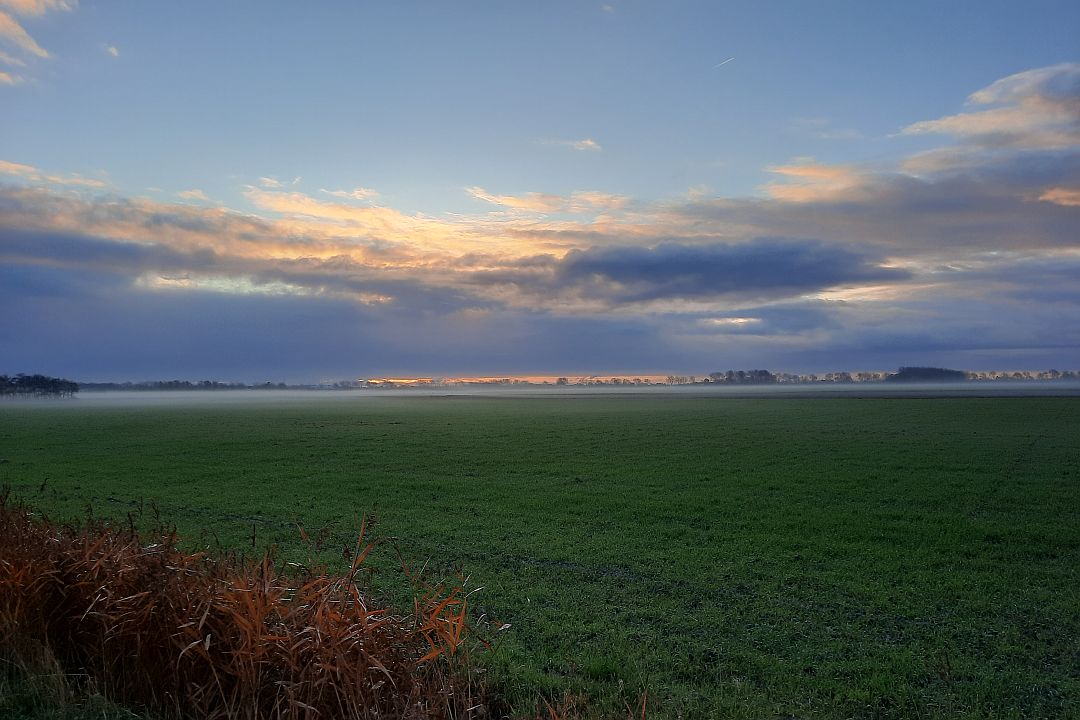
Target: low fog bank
x,y
122,398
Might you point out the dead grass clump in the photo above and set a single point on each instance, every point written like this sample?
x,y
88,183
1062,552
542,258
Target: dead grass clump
x,y
186,635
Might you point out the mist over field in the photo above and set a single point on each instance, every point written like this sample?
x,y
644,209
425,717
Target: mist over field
x,y
867,390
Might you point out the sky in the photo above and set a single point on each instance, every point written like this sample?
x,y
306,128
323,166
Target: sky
x,y
297,192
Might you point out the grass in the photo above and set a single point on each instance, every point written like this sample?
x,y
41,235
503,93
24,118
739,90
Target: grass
x,y
733,557
184,635
31,697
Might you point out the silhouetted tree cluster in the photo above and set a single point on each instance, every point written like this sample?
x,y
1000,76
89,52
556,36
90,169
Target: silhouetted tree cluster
x,y
177,385
927,374
743,377
36,386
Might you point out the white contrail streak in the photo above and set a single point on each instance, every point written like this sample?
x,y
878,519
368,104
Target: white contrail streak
x,y
719,64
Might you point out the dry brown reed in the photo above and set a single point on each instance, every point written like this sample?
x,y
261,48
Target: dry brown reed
x,y
185,635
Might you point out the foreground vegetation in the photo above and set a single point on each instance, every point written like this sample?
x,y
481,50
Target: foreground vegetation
x,y
187,636
734,558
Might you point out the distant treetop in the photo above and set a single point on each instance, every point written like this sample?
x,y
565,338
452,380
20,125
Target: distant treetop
x,y
36,386
927,374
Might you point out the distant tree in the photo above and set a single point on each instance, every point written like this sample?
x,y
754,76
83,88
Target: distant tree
x,y
926,374
743,377
36,386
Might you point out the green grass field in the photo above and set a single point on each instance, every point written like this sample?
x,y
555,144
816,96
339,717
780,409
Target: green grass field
x,y
809,558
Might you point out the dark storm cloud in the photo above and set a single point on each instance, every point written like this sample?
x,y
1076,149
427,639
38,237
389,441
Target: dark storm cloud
x,y
29,246
29,206
763,268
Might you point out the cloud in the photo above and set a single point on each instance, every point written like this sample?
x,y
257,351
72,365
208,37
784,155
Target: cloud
x,y
971,260
765,268
84,252
359,193
731,322
1070,197
194,194
533,202
16,36
385,220
577,202
75,180
32,174
11,60
19,169
37,8
127,332
989,205
807,181
421,237
587,144
248,252
1036,109
14,33
591,200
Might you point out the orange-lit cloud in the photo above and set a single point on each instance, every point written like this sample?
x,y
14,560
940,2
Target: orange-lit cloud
x,y
306,213
577,202
360,193
15,36
32,174
533,202
20,169
36,8
13,32
808,181
1035,110
1069,197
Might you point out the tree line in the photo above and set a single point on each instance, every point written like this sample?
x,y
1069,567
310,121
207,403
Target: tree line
x,y
36,386
175,385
